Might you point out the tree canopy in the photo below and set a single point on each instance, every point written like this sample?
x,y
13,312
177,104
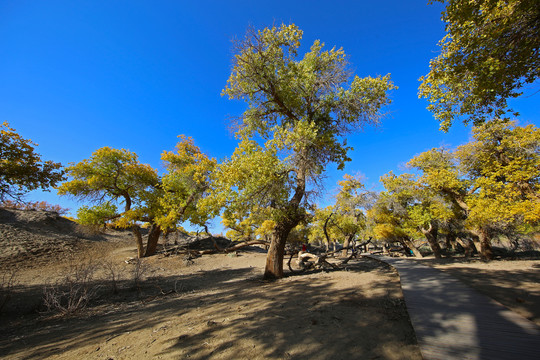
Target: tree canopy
x,y
346,219
485,187
21,168
490,51
116,176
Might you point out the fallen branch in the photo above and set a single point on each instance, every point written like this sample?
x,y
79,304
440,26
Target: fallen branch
x,y
349,247
196,253
318,260
289,262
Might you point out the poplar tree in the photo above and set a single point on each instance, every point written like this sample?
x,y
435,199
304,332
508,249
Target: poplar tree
x,y
490,52
299,111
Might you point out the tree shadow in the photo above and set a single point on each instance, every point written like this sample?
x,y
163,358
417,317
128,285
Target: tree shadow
x,y
236,315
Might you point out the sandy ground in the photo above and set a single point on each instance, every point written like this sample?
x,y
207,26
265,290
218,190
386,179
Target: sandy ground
x,y
213,307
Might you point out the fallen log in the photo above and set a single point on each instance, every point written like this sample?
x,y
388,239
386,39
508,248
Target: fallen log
x,y
235,247
304,260
353,247
217,249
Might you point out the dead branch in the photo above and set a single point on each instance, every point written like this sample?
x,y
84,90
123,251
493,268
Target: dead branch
x,y
304,261
218,249
349,247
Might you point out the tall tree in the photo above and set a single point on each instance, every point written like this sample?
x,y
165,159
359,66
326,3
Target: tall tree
x,y
112,175
319,230
299,112
352,202
490,51
416,209
21,168
390,222
492,179
503,164
116,176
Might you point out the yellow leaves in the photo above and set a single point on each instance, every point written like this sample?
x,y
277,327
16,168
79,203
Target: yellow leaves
x,y
494,178
479,68
266,228
21,168
116,175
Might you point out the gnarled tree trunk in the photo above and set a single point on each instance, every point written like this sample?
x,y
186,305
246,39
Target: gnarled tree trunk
x,y
467,245
153,238
431,234
138,239
276,251
409,244
346,245
486,252
450,241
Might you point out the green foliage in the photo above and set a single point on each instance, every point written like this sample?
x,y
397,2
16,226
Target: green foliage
x,y
21,168
346,219
184,185
112,175
299,111
489,53
97,215
352,202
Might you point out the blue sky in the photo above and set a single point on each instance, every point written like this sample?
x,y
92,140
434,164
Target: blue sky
x,y
79,75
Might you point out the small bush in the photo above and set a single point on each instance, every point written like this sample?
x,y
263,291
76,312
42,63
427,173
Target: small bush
x,y
38,205
114,273
8,280
74,292
138,273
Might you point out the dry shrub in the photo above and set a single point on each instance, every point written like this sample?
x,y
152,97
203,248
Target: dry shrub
x,y
75,291
114,272
8,280
138,272
38,205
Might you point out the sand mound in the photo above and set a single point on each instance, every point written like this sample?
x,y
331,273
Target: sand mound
x,y
30,237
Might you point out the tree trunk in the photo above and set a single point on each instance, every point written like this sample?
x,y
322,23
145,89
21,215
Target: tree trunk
x,y
485,244
153,238
138,239
431,235
325,230
476,242
409,244
467,245
274,258
346,245
450,241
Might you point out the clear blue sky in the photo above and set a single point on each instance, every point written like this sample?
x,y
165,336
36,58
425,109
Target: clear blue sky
x,y
79,75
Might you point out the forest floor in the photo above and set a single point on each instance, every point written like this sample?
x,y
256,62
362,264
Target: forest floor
x,y
211,307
